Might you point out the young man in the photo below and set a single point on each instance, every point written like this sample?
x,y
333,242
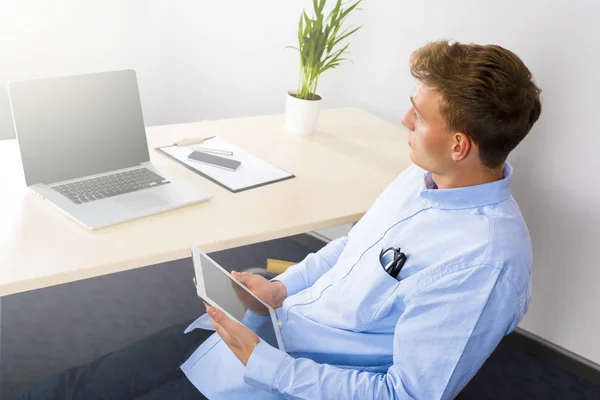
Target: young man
x,y
352,330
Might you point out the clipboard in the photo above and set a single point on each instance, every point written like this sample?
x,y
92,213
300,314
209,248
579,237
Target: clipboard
x,y
253,171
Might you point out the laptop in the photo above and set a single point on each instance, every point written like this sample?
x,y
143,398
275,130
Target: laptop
x,y
84,149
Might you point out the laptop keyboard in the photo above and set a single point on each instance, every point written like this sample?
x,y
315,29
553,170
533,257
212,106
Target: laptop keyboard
x,y
110,185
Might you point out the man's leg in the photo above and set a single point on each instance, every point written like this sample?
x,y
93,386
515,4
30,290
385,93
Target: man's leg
x,y
180,389
127,373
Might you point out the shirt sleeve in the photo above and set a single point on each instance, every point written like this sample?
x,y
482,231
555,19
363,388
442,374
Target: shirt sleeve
x,y
302,275
446,332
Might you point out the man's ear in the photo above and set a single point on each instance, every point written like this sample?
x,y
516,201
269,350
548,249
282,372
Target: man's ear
x,y
461,146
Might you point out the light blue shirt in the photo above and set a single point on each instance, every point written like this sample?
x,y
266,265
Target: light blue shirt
x,y
353,332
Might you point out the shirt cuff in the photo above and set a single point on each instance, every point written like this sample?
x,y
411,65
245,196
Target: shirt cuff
x,y
203,322
263,366
292,279
254,321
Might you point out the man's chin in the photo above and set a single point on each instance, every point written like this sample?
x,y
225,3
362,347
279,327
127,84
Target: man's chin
x,y
417,163
412,158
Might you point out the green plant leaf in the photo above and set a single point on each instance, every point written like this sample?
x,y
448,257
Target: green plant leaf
x,y
345,35
318,38
335,12
300,38
349,9
335,57
307,24
321,6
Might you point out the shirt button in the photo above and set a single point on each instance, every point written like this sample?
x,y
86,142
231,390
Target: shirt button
x,y
436,204
279,323
424,202
309,296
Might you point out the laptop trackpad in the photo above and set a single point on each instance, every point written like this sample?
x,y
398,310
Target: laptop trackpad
x,y
142,201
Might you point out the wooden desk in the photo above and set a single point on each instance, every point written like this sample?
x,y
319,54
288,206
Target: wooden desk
x,y
340,170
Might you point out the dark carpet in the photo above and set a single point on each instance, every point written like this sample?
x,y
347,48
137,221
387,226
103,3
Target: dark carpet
x,y
51,329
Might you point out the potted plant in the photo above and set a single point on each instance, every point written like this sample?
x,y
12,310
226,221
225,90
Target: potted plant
x,y
320,48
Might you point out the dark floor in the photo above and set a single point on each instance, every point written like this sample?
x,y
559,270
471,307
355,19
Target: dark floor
x,y
133,304
511,373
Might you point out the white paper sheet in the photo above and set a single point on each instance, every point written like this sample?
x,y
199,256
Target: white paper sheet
x,y
252,171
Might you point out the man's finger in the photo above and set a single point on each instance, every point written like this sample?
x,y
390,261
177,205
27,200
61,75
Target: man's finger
x,y
240,276
222,332
229,325
246,278
218,316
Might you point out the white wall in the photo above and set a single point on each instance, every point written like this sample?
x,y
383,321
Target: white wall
x,y
228,59
195,59
199,59
40,38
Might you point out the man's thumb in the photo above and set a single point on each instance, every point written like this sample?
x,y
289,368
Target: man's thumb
x,y
240,276
247,279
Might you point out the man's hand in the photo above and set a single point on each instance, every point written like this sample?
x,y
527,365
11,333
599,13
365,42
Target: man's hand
x,y
273,293
250,302
239,338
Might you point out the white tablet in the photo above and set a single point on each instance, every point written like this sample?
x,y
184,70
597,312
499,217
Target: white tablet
x,y
218,288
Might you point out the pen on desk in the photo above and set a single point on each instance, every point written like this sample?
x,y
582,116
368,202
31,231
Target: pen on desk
x,y
188,142
213,151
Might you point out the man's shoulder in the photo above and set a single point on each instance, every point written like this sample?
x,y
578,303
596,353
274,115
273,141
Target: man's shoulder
x,y
509,247
508,233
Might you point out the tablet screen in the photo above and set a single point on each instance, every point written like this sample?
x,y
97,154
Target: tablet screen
x,y
231,297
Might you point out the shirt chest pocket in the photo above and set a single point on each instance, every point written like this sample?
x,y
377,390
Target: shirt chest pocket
x,y
354,300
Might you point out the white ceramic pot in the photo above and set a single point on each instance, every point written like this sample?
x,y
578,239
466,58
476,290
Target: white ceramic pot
x,y
301,115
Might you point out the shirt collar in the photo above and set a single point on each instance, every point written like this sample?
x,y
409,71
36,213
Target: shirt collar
x,y
467,197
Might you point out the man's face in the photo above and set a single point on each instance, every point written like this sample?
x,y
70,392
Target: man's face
x,y
430,143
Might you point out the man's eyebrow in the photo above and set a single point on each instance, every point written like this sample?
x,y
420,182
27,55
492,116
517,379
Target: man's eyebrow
x,y
415,106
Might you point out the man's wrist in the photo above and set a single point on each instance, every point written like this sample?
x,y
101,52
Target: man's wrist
x,y
249,350
281,293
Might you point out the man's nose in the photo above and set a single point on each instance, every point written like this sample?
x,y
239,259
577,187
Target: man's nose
x,y
405,120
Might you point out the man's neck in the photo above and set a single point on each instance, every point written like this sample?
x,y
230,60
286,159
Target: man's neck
x,y
473,177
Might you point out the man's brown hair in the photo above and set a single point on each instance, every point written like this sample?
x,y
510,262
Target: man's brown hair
x,y
485,92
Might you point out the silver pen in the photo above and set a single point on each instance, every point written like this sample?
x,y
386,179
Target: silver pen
x,y
213,151
189,142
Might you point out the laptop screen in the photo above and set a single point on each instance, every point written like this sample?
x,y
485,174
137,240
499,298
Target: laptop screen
x,y
76,126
